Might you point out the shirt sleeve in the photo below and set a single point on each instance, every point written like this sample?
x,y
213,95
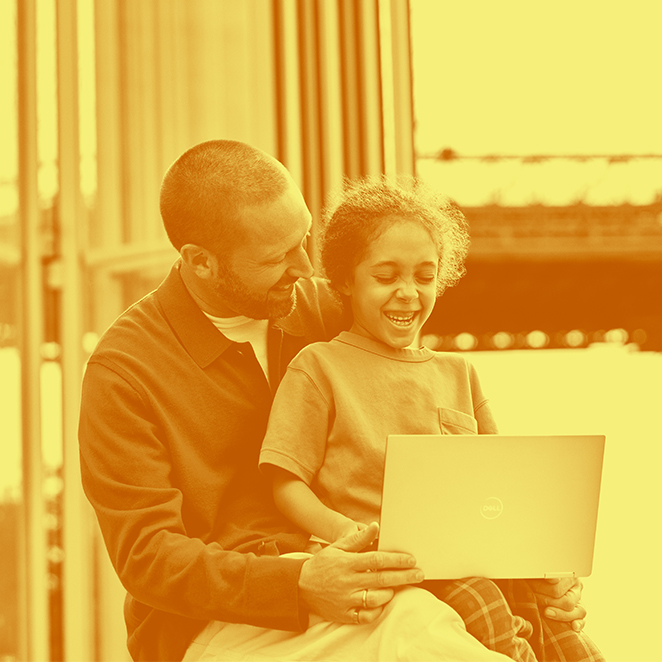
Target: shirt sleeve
x,y
298,426
482,411
127,476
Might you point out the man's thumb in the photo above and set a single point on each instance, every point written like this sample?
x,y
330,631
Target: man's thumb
x,y
355,542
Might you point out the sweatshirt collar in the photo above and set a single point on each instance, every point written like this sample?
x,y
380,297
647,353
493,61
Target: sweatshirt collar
x,y
406,354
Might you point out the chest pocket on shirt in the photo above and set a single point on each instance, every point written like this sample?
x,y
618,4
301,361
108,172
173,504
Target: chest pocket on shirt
x,y
452,421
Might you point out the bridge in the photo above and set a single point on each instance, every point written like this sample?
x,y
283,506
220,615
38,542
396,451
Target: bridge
x,y
551,255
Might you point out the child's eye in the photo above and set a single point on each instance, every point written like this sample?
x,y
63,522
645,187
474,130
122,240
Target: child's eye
x,y
426,279
385,280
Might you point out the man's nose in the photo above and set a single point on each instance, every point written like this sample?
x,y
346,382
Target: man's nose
x,y
301,266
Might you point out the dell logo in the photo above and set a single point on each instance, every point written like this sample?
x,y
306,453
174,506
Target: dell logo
x,y
491,508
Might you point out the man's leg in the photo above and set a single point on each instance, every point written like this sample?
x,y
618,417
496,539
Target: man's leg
x,y
415,626
487,615
552,641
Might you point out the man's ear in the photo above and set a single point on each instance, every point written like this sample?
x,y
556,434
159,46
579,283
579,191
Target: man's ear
x,y
197,259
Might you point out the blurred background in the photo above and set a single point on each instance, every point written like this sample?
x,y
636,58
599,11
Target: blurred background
x,y
541,120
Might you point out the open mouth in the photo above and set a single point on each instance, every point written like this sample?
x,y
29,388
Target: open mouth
x,y
401,319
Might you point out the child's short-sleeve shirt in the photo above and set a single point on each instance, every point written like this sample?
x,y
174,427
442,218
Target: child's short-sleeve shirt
x,y
338,402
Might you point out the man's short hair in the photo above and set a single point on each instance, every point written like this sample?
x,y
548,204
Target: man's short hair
x,y
204,190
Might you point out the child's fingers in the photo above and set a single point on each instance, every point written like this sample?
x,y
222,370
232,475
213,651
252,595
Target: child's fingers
x,y
359,540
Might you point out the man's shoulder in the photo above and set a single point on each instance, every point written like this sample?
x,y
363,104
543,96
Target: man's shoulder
x,y
315,295
318,313
139,327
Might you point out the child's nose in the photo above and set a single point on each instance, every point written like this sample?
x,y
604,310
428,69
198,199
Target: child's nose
x,y
407,291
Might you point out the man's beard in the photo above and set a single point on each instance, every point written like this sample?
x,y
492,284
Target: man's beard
x,y
244,302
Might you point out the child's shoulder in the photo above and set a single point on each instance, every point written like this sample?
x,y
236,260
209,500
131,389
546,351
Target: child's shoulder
x,y
325,355
453,359
313,353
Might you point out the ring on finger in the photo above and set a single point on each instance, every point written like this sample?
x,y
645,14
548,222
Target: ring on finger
x,y
365,598
356,616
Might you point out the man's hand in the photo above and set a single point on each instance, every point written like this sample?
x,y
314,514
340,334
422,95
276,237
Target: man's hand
x,y
341,585
561,597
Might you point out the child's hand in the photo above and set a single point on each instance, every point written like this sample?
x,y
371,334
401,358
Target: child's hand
x,y
347,528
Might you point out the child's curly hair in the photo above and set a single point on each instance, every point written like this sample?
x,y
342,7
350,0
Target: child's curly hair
x,y
367,207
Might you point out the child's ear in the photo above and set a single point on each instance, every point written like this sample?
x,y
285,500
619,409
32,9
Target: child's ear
x,y
345,289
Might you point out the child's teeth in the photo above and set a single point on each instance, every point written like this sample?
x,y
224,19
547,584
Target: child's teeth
x,y
402,321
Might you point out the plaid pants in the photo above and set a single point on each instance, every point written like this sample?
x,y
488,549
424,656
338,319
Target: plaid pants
x,y
504,616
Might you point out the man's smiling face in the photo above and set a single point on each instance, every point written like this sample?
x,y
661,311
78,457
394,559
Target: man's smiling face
x,y
257,278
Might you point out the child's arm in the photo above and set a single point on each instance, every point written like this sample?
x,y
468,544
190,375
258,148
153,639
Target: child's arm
x,y
300,504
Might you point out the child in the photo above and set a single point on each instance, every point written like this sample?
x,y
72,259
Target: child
x,y
389,252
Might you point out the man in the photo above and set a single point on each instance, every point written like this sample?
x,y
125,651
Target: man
x,y
174,407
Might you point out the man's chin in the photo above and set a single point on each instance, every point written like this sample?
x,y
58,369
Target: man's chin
x,y
276,304
282,304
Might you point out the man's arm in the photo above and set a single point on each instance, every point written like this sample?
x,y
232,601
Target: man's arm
x,y
127,476
127,472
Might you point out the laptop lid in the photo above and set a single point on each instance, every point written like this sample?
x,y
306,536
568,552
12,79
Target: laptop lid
x,y
493,506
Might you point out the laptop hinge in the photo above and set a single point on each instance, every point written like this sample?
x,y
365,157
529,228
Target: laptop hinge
x,y
558,575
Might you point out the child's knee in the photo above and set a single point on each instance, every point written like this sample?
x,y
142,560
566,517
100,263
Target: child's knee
x,y
467,596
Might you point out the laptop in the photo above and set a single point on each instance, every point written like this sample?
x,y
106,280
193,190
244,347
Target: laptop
x,y
493,506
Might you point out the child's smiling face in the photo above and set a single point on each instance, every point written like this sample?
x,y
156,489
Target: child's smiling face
x,y
395,285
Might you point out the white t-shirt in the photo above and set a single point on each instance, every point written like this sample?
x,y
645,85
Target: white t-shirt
x,y
244,329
